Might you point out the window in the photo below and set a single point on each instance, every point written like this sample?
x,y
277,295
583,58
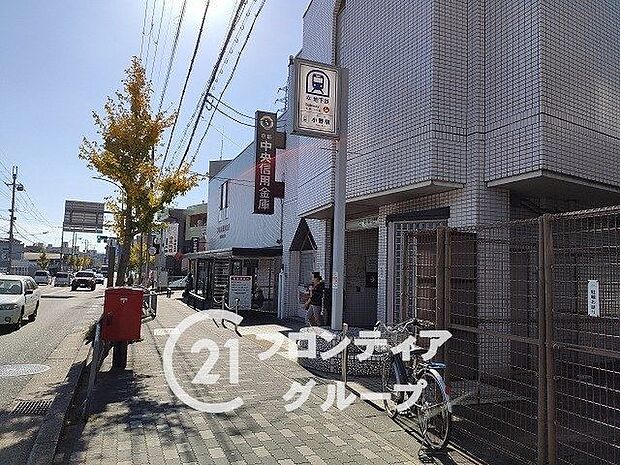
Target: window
x,y
306,267
223,201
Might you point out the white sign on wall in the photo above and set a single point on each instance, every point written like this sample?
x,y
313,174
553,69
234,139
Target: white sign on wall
x,y
240,288
594,308
316,99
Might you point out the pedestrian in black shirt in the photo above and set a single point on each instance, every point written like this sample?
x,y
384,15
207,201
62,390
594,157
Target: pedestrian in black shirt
x,y
315,303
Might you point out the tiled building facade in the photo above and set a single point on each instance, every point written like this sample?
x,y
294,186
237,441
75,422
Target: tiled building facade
x,y
460,111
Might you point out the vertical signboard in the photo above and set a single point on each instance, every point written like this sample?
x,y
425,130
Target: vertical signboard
x,y
171,239
240,288
316,103
265,168
594,306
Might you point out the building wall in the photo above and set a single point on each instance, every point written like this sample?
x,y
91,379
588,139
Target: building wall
x,y
242,228
580,88
464,91
17,253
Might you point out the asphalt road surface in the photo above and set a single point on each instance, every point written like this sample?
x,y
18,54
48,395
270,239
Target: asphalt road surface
x,y
34,342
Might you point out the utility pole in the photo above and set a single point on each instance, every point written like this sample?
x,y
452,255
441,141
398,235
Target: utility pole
x,y
15,186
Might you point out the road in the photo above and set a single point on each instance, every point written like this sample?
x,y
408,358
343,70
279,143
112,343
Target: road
x,y
34,342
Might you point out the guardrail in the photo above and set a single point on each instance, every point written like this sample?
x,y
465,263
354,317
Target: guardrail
x,y
100,350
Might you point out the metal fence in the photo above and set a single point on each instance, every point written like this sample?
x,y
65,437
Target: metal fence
x,y
534,360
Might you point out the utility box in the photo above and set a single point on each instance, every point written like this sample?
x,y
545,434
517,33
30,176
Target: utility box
x,y
122,314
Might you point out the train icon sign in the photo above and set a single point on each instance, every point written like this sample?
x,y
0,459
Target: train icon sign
x,y
316,99
318,83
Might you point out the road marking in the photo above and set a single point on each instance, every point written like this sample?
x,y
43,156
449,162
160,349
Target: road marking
x,y
22,369
165,331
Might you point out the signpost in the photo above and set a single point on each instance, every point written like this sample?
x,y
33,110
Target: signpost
x,y
240,288
320,108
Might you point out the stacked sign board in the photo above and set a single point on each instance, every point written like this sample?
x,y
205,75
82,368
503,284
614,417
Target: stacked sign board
x,y
86,217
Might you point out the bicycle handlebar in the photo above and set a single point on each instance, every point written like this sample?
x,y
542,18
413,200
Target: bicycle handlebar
x,y
420,323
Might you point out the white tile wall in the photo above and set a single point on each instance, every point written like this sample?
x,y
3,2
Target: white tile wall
x,y
465,91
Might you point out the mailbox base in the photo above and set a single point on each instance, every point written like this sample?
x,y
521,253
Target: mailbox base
x,y
119,355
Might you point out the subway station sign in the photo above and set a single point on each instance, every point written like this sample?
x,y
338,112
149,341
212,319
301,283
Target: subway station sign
x,y
316,101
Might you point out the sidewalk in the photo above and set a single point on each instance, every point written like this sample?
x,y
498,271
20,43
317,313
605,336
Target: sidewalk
x,y
136,419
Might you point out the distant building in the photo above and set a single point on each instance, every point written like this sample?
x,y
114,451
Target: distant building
x,y
172,240
196,228
19,267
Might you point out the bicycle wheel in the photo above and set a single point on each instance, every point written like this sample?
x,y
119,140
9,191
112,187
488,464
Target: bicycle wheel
x,y
434,411
390,377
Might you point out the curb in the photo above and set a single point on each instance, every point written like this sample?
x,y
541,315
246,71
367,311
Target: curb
x,y
46,442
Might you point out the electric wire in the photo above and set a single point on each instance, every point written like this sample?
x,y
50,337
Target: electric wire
x,y
219,110
164,48
230,107
161,19
175,45
189,72
148,45
195,117
230,78
212,78
146,9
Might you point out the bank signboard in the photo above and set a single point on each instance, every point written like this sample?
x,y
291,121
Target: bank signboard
x,y
316,101
265,167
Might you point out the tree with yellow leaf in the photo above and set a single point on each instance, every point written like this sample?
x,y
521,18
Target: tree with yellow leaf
x,y
126,157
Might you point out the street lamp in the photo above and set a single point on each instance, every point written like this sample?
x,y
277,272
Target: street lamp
x,y
101,178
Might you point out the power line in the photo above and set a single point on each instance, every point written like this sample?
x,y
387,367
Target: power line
x,y
195,114
148,45
219,110
161,19
146,9
189,72
172,55
232,73
213,75
171,9
230,107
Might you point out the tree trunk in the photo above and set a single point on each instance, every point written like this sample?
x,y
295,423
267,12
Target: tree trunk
x,y
126,241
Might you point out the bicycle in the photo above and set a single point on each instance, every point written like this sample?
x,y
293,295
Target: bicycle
x,y
433,408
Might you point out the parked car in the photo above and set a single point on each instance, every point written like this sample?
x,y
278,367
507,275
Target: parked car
x,y
178,283
84,279
19,298
43,277
63,278
99,278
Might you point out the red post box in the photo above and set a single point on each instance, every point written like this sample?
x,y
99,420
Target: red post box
x,y
122,314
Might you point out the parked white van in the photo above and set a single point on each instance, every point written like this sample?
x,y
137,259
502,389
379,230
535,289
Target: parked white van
x,y
63,278
43,277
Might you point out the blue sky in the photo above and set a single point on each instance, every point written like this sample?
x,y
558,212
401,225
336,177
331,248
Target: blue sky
x,y
60,59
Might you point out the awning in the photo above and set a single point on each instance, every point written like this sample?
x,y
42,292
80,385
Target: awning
x,y
238,252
